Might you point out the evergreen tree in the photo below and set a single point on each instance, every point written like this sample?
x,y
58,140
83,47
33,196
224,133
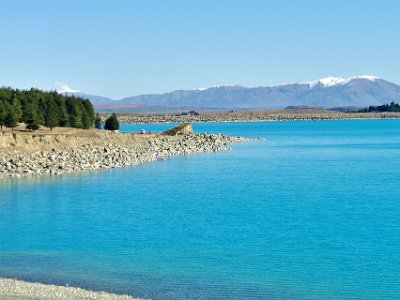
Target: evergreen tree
x,y
392,107
88,107
76,121
97,122
46,107
27,110
11,120
112,123
40,117
64,116
51,116
75,112
3,113
16,108
32,123
86,124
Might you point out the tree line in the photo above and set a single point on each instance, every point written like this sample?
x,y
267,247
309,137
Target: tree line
x,y
392,107
51,109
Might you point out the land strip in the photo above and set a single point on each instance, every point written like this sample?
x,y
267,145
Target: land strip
x,y
67,150
254,116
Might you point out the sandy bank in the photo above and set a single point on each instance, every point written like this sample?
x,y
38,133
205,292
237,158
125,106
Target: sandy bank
x,y
11,289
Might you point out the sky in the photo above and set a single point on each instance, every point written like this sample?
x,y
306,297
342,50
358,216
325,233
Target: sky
x,y
121,48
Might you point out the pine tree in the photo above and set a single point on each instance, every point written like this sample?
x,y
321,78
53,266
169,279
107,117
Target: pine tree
x,y
88,107
3,113
32,123
11,120
86,124
75,112
97,122
112,123
64,117
40,117
51,116
76,121
69,110
16,108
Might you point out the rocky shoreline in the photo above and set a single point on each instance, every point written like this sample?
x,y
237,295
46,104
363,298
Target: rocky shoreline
x,y
256,116
12,289
30,155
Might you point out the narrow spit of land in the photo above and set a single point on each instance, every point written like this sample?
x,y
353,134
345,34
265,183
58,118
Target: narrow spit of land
x,y
69,150
253,116
12,289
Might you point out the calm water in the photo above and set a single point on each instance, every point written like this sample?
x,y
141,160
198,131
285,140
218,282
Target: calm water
x,y
312,212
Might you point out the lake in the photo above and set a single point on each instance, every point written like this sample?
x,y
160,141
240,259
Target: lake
x,y
311,212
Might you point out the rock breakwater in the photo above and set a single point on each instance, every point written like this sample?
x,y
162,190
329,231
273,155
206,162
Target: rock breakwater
x,y
26,155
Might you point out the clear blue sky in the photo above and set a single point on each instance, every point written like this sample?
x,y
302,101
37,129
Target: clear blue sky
x,y
121,48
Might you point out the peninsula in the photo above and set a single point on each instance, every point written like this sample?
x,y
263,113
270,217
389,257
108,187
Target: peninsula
x,y
67,150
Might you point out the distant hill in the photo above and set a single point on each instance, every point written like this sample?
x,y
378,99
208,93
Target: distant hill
x,y
94,99
358,91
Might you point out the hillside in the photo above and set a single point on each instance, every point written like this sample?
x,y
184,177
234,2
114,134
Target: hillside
x,y
358,91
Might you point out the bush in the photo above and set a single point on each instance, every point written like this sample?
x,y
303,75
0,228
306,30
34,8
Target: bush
x,y
112,123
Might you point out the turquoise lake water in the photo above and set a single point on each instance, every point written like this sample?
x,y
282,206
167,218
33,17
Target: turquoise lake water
x,y
312,212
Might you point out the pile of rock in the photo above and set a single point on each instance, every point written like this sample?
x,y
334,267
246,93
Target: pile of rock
x,y
92,156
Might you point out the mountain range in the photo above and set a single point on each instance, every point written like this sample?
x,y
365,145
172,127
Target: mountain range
x,y
357,91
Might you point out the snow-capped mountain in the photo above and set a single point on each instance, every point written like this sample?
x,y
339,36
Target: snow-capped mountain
x,y
332,81
65,89
358,91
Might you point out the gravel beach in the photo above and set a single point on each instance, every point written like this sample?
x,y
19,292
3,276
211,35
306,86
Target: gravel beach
x,y
31,154
12,289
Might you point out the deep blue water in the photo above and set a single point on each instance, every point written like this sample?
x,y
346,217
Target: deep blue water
x,y
312,212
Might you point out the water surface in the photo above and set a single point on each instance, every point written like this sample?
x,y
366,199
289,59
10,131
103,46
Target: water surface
x,y
312,212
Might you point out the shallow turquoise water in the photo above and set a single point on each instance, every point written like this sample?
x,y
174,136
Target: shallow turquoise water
x,y
312,212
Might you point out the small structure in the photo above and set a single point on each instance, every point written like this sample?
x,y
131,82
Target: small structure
x,y
190,113
142,131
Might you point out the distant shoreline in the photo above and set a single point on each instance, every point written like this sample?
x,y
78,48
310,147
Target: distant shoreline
x,y
255,116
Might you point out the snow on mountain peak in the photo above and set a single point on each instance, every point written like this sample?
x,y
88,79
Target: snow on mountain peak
x,y
369,77
64,88
332,81
326,82
228,86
